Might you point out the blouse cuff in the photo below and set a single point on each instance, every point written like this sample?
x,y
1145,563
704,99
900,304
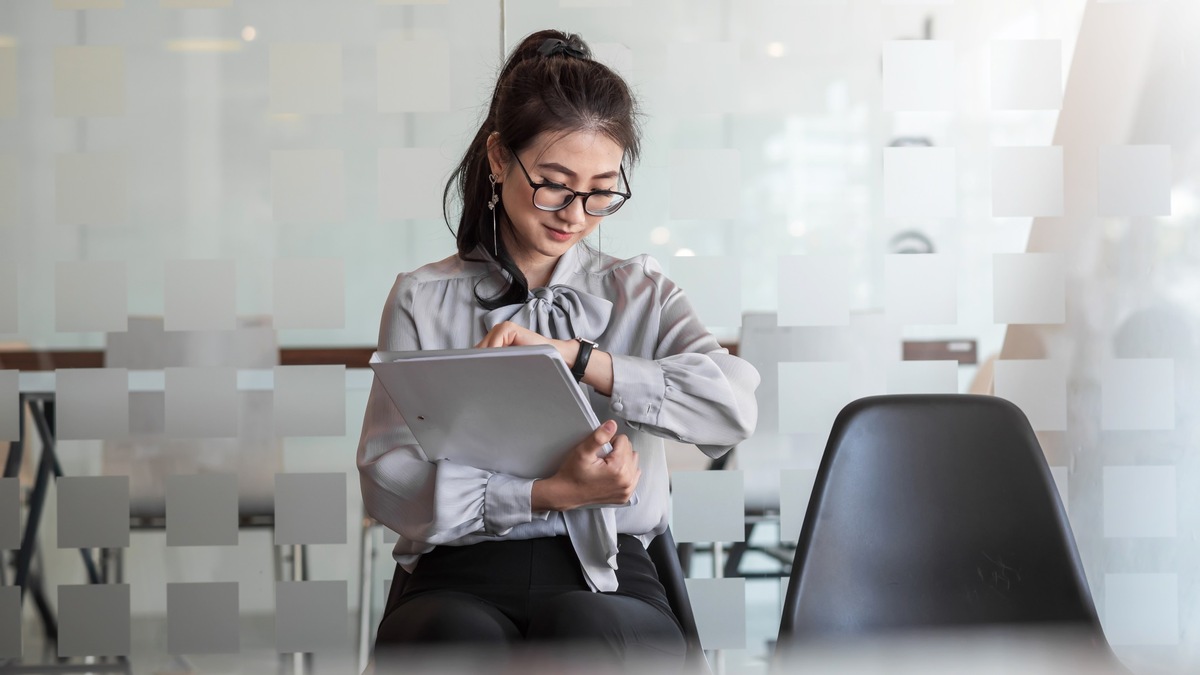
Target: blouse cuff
x,y
639,387
506,503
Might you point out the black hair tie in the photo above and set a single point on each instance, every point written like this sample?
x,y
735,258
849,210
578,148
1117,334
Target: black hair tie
x,y
552,46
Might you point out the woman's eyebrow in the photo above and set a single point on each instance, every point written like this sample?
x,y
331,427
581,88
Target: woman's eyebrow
x,y
554,166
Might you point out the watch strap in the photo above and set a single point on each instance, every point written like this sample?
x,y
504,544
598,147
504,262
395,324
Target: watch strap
x,y
581,361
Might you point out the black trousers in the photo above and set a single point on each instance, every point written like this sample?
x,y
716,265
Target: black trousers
x,y
530,592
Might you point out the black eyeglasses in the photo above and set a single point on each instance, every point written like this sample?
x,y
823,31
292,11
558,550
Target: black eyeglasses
x,y
556,197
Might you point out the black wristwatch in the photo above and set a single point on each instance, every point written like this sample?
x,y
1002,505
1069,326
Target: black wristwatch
x,y
581,361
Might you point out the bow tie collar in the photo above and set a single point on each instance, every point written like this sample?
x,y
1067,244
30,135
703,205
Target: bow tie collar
x,y
559,312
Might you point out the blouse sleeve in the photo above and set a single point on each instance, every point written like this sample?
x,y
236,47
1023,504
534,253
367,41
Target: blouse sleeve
x,y
693,390
422,500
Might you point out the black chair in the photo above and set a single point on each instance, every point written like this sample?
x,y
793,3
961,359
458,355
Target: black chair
x,y
663,554
934,511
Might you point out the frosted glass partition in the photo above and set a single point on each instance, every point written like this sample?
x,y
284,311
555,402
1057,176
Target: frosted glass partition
x,y
833,185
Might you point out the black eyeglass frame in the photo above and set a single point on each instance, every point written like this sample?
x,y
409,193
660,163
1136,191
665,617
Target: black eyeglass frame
x,y
574,193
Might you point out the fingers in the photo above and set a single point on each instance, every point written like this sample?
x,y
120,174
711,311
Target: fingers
x,y
495,336
604,433
507,333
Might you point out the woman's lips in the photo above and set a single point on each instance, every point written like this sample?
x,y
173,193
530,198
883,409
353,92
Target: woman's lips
x,y
558,236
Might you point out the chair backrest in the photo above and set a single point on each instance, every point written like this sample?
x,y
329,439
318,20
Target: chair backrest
x,y
933,511
665,556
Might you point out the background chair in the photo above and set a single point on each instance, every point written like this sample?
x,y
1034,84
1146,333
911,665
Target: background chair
x,y
934,511
149,455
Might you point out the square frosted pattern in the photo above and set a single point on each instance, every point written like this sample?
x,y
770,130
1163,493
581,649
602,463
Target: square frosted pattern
x,y
705,184
720,609
202,618
10,408
1038,388
1027,182
8,289
201,402
1134,180
919,183
922,377
10,209
93,511
1029,288
1140,501
310,616
411,182
310,508
89,81
1141,609
8,80
10,514
308,186
310,293
91,188
702,77
799,305
921,288
595,3
918,75
708,505
88,4
90,296
92,403
93,620
202,510
201,295
413,76
306,78
811,394
310,400
195,4
1027,74
713,286
1137,394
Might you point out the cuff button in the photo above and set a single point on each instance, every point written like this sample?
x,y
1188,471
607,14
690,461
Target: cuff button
x,y
618,406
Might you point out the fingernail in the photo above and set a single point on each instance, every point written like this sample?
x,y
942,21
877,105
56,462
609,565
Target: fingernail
x,y
610,425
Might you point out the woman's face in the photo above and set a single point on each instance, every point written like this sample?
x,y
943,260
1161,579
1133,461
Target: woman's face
x,y
581,161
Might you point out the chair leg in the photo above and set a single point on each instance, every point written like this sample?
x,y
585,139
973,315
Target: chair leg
x,y
365,596
736,550
293,566
277,558
685,557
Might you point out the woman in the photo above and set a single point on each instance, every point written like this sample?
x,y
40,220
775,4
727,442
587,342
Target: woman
x,y
499,559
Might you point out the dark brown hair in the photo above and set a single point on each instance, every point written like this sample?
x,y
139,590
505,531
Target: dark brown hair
x,y
563,91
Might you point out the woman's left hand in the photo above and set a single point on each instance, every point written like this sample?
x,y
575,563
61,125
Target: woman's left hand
x,y
509,334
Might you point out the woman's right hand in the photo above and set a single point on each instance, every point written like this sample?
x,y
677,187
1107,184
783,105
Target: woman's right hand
x,y
585,479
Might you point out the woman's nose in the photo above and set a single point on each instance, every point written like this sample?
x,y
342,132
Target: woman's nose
x,y
574,214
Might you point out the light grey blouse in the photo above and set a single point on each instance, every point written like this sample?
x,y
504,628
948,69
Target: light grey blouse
x,y
670,379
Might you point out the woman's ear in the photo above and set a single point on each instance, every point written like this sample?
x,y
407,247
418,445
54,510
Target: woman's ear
x,y
497,156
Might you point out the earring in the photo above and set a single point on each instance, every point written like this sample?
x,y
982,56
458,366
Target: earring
x,y
492,207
